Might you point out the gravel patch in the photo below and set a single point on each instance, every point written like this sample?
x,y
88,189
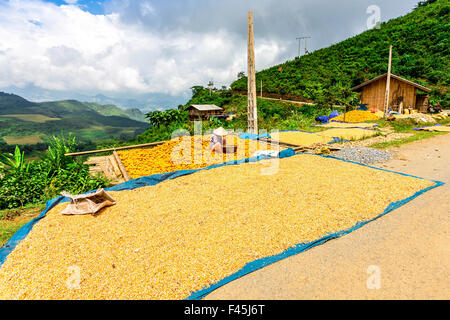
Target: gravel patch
x,y
363,155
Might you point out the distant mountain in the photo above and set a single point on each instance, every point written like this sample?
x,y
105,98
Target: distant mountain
x,y
145,102
20,118
112,110
148,102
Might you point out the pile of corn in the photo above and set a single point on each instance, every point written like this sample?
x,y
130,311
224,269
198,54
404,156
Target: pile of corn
x,y
348,133
300,138
348,125
172,239
184,153
356,116
437,128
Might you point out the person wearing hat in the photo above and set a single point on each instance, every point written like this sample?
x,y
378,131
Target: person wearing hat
x,y
218,141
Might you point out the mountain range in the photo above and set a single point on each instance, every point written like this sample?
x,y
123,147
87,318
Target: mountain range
x,y
26,122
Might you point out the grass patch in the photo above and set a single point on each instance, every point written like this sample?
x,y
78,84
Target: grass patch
x,y
12,220
421,135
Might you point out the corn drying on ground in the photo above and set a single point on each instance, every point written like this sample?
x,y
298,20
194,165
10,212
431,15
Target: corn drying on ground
x,y
356,116
185,153
169,240
437,128
348,125
300,138
348,133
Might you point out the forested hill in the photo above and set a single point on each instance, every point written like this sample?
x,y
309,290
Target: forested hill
x,y
421,53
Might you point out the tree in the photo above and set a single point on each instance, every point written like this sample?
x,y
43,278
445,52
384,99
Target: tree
x,y
196,90
241,75
157,118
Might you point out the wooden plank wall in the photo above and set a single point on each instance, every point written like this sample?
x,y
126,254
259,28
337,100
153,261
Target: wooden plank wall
x,y
373,94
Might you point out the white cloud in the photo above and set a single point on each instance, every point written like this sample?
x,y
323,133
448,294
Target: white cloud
x,y
144,47
147,8
65,48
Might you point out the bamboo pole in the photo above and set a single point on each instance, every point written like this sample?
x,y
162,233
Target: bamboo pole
x,y
114,149
388,83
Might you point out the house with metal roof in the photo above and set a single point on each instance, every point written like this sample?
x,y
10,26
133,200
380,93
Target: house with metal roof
x,y
402,93
203,111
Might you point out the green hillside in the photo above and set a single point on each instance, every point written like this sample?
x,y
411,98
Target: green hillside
x,y
421,52
25,122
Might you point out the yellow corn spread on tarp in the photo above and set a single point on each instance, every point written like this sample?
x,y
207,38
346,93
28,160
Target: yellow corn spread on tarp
x,y
436,128
349,133
172,239
348,125
300,138
185,153
356,116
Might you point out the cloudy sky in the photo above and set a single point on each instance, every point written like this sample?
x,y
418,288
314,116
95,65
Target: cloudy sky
x,y
153,51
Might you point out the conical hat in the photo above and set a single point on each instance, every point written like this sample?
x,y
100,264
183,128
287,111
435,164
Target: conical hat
x,y
220,132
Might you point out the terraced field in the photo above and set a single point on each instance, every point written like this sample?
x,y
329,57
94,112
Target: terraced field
x,y
38,118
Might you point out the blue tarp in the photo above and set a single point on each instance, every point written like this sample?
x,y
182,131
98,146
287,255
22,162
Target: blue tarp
x,y
326,119
250,267
436,125
252,136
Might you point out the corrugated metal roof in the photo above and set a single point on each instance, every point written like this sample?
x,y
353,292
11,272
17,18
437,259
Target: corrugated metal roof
x,y
395,77
205,107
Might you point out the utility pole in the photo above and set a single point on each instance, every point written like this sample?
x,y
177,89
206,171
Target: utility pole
x,y
210,86
251,108
261,89
388,83
306,44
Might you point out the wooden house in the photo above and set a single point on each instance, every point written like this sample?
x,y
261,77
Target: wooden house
x,y
203,111
402,93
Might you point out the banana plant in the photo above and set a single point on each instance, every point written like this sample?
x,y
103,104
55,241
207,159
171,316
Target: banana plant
x,y
55,156
15,162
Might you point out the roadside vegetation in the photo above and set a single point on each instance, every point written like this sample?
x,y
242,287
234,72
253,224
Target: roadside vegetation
x,y
34,182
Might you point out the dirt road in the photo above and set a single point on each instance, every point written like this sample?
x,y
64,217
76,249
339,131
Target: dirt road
x,y
403,255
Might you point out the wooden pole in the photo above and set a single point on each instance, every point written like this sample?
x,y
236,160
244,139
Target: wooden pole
x,y
388,83
251,108
114,149
121,167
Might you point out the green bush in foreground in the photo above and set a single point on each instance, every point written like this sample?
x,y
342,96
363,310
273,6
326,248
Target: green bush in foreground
x,y
38,181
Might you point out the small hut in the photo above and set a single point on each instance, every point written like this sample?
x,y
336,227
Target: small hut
x,y
203,111
402,93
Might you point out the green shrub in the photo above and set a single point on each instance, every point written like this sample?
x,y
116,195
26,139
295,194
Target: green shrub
x,y
37,181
